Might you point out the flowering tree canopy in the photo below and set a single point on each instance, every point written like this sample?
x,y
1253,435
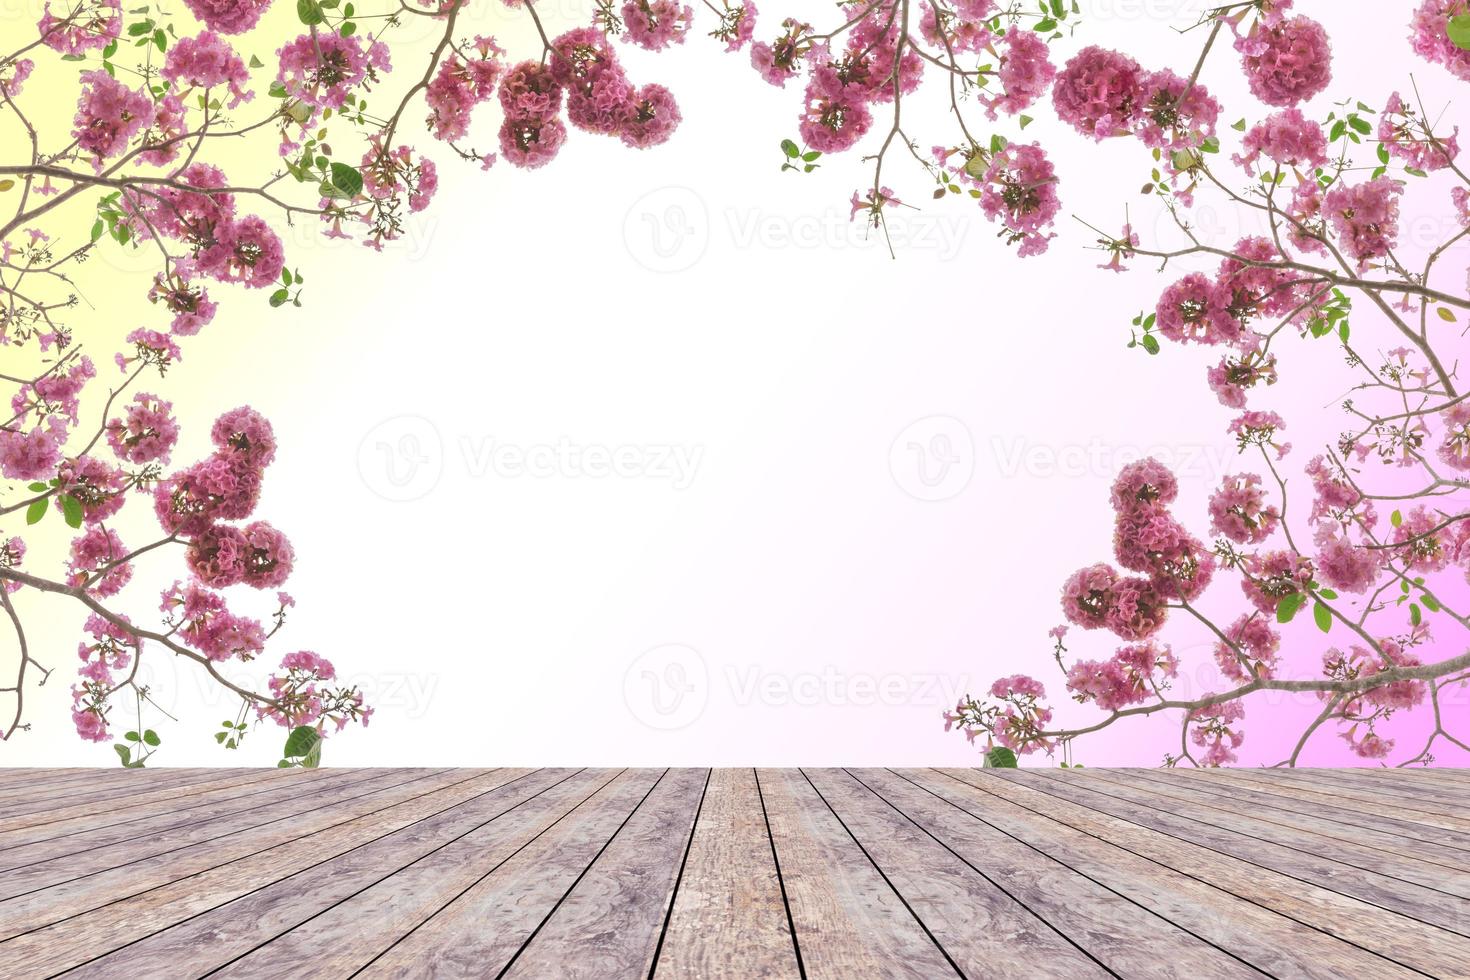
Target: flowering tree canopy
x,y
352,113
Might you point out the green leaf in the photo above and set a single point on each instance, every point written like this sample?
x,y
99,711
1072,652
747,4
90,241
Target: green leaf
x,y
310,12
1430,602
1289,606
132,736
279,298
36,511
1327,593
150,737
1045,25
790,149
1150,343
1445,315
123,753
160,40
301,742
255,62
1396,518
1415,616
1323,616
71,510
346,179
1459,31
38,487
1000,757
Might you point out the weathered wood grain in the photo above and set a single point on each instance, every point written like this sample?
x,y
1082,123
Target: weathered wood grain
x,y
1304,835
1197,824
1225,784
984,930
1370,928
69,883
609,924
218,937
1121,935
32,844
131,913
734,874
112,797
1354,800
478,933
348,936
1354,784
729,921
848,921
1299,814
1273,943
75,863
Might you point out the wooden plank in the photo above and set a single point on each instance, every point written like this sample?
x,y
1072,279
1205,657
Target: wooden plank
x,y
20,847
1282,783
623,900
1128,940
729,921
1289,810
1301,834
346,937
1194,824
131,917
1370,786
100,783
232,938
1403,940
140,792
848,921
1273,943
478,932
133,788
984,930
1226,785
72,863
32,911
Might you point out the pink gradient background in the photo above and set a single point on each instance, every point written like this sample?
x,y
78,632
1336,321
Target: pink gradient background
x,y
504,619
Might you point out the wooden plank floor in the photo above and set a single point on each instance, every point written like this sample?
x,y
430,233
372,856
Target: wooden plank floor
x,y
734,873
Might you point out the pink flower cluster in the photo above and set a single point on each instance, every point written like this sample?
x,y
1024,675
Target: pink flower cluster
x,y
228,16
656,24
1431,39
1286,138
147,431
1172,563
1365,217
207,61
1025,73
599,99
1131,676
109,115
1019,189
461,84
223,487
1411,139
1251,283
90,25
1239,511
1214,729
323,69
198,210
1286,62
